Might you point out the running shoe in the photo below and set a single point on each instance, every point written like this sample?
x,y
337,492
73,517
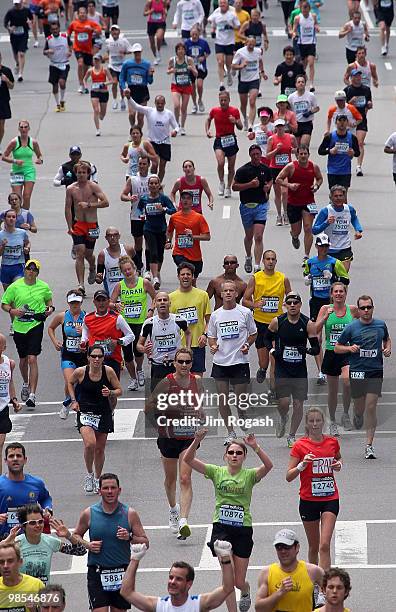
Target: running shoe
x,y
319,597
140,378
156,283
194,109
73,253
346,422
122,104
358,421
91,276
20,78
359,171
256,268
96,485
64,411
89,484
156,61
245,601
36,44
227,192
147,275
31,401
133,385
333,429
62,106
295,241
184,530
86,90
229,79
25,392
248,265
369,453
81,288
245,124
11,332
321,380
279,220
285,219
58,108
260,375
182,131
290,440
221,188
174,517
280,427
384,50
312,89
201,107
231,436
98,133
80,89
114,106
271,396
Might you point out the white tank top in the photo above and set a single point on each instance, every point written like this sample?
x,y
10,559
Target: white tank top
x,y
307,30
164,604
113,272
355,38
366,73
134,153
166,339
5,377
139,188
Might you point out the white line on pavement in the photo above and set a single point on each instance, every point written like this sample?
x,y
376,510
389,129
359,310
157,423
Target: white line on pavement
x,y
351,543
388,65
226,212
207,560
124,424
366,16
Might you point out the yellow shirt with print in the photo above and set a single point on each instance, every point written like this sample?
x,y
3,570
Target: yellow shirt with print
x,y
242,17
13,599
299,599
192,305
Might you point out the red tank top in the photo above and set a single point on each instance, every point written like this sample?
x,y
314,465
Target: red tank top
x,y
103,329
99,80
169,421
158,14
196,190
304,194
283,156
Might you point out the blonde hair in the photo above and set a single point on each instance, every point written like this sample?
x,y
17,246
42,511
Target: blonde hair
x,y
124,259
311,411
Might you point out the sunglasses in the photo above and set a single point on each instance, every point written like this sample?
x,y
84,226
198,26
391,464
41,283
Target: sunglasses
x,y
283,546
231,452
112,235
184,361
230,263
97,356
32,269
292,302
365,307
34,522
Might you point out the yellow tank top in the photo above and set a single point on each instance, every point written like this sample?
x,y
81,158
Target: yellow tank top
x,y
272,287
300,598
345,609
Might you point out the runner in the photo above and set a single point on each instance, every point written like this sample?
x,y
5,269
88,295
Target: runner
x,y
305,29
161,125
360,96
7,394
257,28
232,519
192,304
287,72
253,180
181,577
92,390
302,179
6,84
111,13
135,76
188,13
101,78
277,583
66,174
231,333
367,341
283,112
225,145
356,34
14,245
37,25
12,582
390,148
156,12
262,131
117,47
334,318
82,221
25,219
51,12
94,15
181,68
165,332
230,265
136,148
18,21
315,458
198,49
335,219
193,183
305,105
190,228
108,269
223,21
265,295
28,301
58,49
107,330
289,332
342,108
84,30
384,12
70,321
248,61
174,439
19,152
112,527
336,586
243,17
369,70
130,295
279,151
153,208
287,8
341,146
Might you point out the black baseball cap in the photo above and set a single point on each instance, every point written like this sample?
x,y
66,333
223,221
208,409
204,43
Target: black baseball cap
x,y
74,149
293,296
101,293
254,146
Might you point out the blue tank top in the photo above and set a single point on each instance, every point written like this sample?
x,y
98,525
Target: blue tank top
x,y
340,163
103,526
70,335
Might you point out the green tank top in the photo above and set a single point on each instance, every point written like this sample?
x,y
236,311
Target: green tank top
x,y
134,302
25,153
334,326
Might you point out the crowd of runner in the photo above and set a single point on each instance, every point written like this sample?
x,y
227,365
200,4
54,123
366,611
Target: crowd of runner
x,y
161,339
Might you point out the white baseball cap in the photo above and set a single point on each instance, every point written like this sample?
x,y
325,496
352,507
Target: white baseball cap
x,y
285,536
137,47
322,240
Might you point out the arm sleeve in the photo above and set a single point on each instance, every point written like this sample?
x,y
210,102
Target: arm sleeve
x,y
67,548
320,223
139,108
355,220
325,145
123,326
84,333
172,121
386,332
147,329
59,177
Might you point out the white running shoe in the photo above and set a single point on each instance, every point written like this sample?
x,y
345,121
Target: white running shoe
x,y
114,106
133,385
333,429
227,192
96,485
64,412
229,79
221,188
201,107
80,89
36,44
230,437
194,109
122,104
245,601
245,124
89,484
174,517
156,283
182,131
98,133
31,401
147,275
140,378
384,50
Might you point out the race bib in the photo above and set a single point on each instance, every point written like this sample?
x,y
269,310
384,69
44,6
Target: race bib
x,y
291,354
117,60
228,141
105,344
282,159
385,3
136,79
82,36
114,275
156,17
89,420
61,67
258,41
111,579
4,387
300,106
184,431
18,30
313,208
289,90
231,515
52,18
73,344
341,226
185,241
166,344
357,375
13,252
320,282
323,487
360,101
251,66
261,138
133,311
97,86
94,232
229,330
182,79
17,179
189,314
271,304
334,336
342,147
368,354
154,209
195,51
27,317
12,517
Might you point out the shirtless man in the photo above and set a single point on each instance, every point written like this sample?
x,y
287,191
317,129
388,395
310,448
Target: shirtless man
x,y
230,265
86,197
107,269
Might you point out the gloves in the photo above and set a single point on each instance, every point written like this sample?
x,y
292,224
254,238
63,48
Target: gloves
x,y
276,353
327,274
138,551
302,350
307,279
222,548
307,114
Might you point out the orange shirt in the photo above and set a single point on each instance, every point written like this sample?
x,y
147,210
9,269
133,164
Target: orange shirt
x,y
51,7
184,245
83,33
